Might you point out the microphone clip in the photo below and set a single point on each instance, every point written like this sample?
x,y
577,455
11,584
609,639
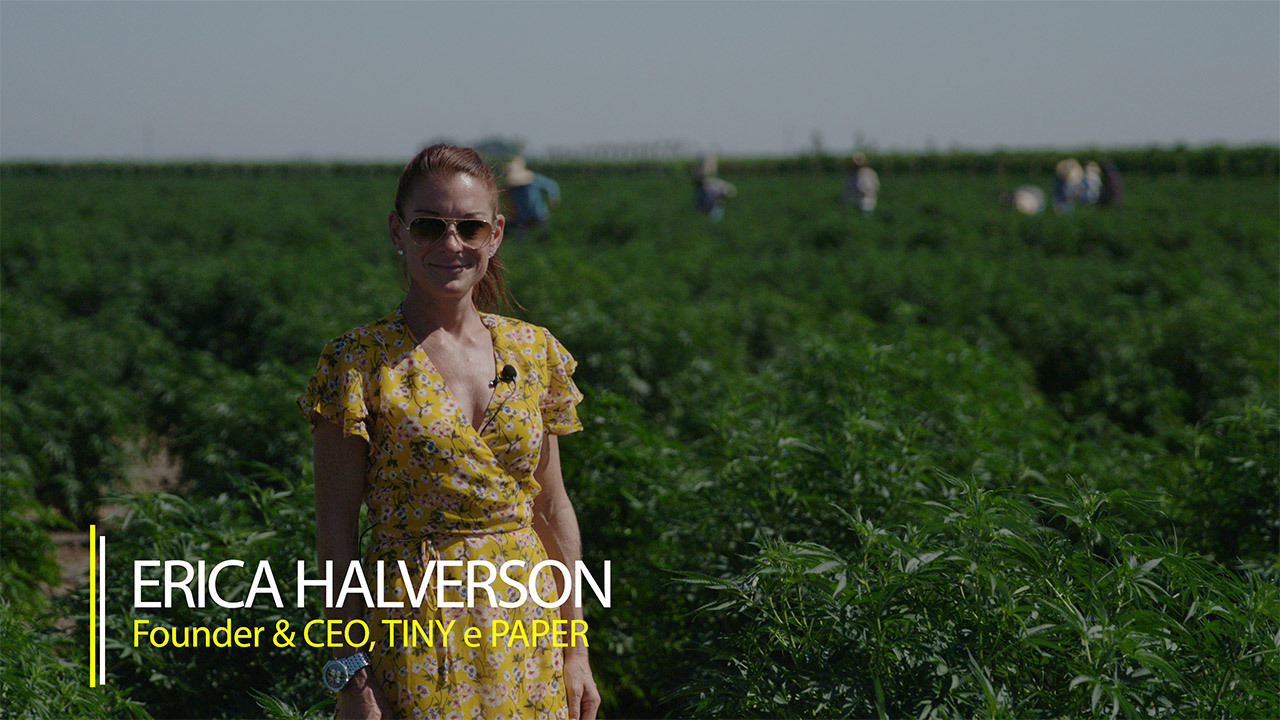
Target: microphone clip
x,y
508,374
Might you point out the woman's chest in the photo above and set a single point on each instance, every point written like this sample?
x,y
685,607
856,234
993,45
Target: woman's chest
x,y
418,423
467,376
415,397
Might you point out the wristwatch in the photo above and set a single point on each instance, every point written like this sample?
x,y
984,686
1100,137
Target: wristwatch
x,y
338,671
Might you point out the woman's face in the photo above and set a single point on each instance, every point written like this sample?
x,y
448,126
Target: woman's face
x,y
447,268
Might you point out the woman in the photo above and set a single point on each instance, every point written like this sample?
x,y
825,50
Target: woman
x,y
418,416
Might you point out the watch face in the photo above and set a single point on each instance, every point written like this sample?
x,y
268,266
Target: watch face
x,y
335,675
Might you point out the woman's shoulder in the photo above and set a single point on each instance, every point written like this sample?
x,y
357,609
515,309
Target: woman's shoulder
x,y
505,322
385,333
535,343
516,330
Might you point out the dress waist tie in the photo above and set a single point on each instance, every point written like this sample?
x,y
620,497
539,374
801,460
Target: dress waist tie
x,y
428,550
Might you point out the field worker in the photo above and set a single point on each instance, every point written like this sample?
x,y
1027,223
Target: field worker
x,y
862,186
1112,184
709,191
529,193
1068,184
1091,184
1026,199
442,418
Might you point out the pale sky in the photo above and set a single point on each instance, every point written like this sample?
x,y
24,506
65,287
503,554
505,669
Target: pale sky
x,y
347,80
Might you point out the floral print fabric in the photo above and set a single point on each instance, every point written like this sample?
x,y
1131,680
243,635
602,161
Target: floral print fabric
x,y
436,488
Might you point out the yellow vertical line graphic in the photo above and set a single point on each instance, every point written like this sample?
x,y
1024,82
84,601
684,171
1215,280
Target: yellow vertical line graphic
x,y
93,605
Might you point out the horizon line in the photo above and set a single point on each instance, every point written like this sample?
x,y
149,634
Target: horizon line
x,y
585,156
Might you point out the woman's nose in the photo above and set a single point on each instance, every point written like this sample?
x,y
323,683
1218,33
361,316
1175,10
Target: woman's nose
x,y
451,239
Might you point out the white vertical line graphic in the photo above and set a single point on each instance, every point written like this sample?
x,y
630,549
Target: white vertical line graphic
x,y
102,609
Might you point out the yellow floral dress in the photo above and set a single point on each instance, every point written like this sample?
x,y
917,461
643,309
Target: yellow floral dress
x,y
436,488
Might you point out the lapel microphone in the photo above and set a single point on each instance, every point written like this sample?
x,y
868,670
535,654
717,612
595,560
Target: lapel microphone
x,y
507,375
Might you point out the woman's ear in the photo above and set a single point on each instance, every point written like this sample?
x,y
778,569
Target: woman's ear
x,y
499,227
393,230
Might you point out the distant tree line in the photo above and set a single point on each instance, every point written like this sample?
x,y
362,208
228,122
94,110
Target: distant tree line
x,y
1211,161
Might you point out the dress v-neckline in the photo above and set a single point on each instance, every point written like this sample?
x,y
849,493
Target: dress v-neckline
x,y
460,413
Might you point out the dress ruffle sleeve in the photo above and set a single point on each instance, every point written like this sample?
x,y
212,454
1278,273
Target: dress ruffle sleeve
x,y
560,399
337,389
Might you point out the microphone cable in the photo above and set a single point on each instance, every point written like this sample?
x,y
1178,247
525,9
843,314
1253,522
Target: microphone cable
x,y
507,375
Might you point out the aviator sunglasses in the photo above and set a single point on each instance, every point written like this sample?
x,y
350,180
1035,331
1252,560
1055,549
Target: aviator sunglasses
x,y
428,230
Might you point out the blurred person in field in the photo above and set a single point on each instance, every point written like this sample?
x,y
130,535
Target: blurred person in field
x,y
1112,184
1068,186
530,194
709,191
442,419
1091,184
1026,199
862,186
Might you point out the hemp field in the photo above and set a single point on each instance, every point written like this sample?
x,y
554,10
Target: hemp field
x,y
942,461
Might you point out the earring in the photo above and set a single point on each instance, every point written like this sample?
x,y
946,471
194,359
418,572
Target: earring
x,y
492,253
400,250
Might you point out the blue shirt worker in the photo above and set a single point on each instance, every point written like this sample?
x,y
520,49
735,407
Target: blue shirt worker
x,y
709,191
529,194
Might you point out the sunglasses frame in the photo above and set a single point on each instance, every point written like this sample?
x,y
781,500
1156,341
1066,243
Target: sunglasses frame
x,y
448,223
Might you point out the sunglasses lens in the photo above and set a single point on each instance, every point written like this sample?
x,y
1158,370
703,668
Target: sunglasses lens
x,y
427,229
474,232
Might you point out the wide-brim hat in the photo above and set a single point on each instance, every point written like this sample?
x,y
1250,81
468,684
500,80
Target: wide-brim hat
x,y
517,173
1070,170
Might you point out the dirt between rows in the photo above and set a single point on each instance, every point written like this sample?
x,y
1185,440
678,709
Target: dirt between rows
x,y
151,468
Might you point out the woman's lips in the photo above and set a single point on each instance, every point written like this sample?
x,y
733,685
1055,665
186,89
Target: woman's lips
x,y
451,268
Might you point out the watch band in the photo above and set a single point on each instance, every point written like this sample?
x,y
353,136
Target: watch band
x,y
354,662
338,672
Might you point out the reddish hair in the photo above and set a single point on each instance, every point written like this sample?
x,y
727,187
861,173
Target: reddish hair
x,y
491,292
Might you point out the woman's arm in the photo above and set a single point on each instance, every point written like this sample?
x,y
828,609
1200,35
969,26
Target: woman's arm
x,y
557,526
339,471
